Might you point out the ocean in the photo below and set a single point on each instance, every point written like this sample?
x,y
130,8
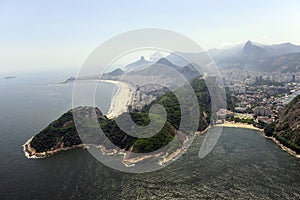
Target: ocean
x,y
243,164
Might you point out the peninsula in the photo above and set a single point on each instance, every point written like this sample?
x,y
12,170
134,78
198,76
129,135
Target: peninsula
x,y
62,135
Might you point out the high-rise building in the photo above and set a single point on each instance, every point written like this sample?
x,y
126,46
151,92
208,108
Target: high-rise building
x,y
293,78
262,111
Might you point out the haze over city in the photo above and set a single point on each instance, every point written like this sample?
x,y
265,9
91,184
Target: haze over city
x,y
51,35
149,99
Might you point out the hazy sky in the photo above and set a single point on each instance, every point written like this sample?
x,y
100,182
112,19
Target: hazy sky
x,y
60,34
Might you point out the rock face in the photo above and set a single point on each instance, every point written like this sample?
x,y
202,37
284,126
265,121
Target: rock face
x,y
253,51
287,129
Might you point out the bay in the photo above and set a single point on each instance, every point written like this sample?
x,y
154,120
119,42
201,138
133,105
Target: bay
x,y
243,164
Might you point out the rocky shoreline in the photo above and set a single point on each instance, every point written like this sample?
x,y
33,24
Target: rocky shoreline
x,y
127,159
284,148
131,161
32,154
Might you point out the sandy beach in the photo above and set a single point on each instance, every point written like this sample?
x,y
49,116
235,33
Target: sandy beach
x,y
121,100
238,125
119,105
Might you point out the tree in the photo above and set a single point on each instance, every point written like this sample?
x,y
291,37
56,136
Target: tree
x,y
269,129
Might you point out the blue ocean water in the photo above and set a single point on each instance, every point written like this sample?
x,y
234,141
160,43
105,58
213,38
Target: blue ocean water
x,y
243,164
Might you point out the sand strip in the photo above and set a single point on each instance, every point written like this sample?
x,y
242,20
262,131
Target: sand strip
x,y
239,125
121,100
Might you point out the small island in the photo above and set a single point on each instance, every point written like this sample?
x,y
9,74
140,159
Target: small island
x,y
9,77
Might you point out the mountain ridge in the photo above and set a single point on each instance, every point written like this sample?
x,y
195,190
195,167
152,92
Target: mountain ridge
x,y
259,57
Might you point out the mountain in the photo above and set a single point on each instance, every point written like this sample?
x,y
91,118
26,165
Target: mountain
x,y
283,57
252,47
182,59
286,129
116,72
284,48
113,75
189,71
162,71
142,61
284,63
219,54
160,68
253,51
166,62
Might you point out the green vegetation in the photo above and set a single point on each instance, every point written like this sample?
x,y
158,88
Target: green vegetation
x,y
270,129
62,132
56,133
288,143
241,120
286,129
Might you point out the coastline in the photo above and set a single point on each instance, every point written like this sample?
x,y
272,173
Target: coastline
x,y
119,105
121,99
239,125
284,148
31,153
250,126
202,132
131,161
128,161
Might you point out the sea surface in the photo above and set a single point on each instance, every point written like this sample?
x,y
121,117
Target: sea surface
x,y
243,164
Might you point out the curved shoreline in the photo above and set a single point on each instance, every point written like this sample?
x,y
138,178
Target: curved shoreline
x,y
250,126
32,154
121,100
127,160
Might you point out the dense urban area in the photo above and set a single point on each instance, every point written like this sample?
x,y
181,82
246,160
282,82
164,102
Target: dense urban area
x,y
259,96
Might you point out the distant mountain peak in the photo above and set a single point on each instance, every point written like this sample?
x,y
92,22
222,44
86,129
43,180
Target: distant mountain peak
x,y
253,50
140,62
116,72
164,61
287,43
142,58
248,43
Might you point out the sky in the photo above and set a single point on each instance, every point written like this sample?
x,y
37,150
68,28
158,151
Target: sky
x,y
60,34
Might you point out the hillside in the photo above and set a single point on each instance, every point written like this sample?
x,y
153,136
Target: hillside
x,y
62,133
284,63
287,127
142,61
283,57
